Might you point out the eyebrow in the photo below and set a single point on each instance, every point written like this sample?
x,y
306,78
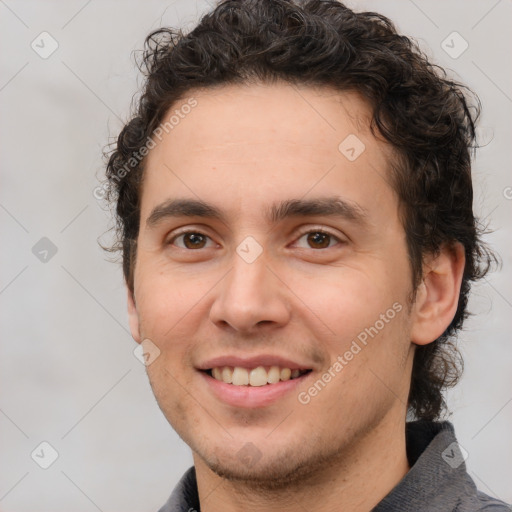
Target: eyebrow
x,y
324,206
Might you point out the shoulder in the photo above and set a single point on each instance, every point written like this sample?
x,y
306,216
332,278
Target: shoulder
x,y
470,499
482,502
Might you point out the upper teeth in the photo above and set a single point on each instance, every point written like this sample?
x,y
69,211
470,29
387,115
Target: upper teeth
x,y
255,377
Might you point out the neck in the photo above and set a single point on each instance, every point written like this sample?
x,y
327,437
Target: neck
x,y
357,480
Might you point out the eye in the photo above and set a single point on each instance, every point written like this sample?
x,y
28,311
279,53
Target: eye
x,y
190,240
318,239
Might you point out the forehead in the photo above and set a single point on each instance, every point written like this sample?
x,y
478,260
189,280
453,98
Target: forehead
x,y
252,144
269,114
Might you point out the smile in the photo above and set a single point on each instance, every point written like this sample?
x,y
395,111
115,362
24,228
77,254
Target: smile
x,y
259,376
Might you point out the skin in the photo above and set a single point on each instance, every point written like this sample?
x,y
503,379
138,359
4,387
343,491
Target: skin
x,y
299,299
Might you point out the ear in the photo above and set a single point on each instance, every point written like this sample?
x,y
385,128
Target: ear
x,y
133,317
437,296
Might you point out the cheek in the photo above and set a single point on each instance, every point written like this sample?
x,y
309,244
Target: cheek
x,y
166,303
368,321
349,300
171,392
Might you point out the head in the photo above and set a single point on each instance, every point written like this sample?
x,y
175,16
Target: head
x,y
321,166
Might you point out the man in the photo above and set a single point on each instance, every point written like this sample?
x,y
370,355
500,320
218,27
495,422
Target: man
x,y
294,207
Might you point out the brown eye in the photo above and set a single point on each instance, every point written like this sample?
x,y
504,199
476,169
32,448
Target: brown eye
x,y
319,240
190,240
194,241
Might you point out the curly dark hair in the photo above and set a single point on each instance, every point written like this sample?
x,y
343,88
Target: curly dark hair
x,y
427,118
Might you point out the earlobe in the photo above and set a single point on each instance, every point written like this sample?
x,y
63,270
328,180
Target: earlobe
x,y
437,296
133,317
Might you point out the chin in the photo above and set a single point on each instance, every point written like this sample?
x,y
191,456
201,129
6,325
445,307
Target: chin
x,y
263,471
273,474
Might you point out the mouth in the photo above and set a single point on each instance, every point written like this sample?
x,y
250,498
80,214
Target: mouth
x,y
254,387
253,381
255,377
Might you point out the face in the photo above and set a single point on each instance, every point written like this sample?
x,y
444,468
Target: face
x,y
265,245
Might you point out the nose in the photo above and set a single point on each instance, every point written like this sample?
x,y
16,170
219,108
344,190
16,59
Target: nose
x,y
251,297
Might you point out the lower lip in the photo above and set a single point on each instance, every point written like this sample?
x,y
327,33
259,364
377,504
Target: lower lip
x,y
251,396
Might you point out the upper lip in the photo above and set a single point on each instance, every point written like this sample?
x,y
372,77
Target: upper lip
x,y
253,362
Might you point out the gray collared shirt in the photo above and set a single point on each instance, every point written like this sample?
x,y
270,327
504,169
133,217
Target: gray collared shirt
x,y
437,481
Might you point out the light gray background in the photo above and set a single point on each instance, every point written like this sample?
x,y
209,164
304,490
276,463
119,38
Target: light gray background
x,y
68,373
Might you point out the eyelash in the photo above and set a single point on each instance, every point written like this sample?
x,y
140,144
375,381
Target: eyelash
x,y
300,235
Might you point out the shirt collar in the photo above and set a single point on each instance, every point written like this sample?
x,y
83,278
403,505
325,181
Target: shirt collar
x,y
436,463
